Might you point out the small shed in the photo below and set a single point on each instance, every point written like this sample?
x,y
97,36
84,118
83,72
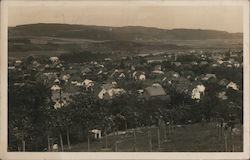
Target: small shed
x,y
97,134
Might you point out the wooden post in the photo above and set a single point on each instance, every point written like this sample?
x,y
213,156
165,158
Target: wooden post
x,y
116,146
61,140
134,141
219,133
68,139
159,138
18,147
150,140
48,143
23,144
88,142
165,132
126,125
169,128
232,140
225,136
106,138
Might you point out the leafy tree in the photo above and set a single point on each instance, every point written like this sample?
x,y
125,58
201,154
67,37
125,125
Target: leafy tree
x,y
27,107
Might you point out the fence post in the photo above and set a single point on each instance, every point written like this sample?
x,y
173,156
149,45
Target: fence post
x,y
159,138
225,134
68,139
23,144
61,140
48,138
106,138
116,146
134,141
165,132
150,139
88,141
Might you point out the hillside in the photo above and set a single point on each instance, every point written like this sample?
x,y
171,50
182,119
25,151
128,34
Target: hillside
x,y
57,39
127,33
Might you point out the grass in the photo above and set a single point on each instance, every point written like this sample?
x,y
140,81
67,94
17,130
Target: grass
x,y
186,138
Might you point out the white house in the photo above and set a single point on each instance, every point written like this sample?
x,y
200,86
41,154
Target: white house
x,y
233,86
220,61
201,88
18,61
196,94
122,76
158,72
59,104
97,133
66,77
57,81
198,91
142,77
55,87
139,75
109,91
208,76
156,85
88,84
222,95
54,59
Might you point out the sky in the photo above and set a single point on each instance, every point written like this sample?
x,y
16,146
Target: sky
x,y
225,18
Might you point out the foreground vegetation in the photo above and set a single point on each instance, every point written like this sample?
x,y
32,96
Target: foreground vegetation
x,y
33,122
182,138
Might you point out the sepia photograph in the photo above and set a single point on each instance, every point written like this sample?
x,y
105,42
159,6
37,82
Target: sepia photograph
x,y
144,77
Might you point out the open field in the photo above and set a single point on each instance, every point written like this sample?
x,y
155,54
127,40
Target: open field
x,y
24,46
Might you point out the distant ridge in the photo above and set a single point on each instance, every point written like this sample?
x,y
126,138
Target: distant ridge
x,y
126,33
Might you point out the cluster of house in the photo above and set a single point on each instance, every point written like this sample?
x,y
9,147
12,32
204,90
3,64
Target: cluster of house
x,y
66,80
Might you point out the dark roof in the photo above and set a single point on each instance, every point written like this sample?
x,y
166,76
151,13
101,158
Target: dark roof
x,y
108,86
155,91
76,78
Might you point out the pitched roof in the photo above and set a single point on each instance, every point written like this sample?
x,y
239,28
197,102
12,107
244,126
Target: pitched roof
x,y
75,78
108,86
55,87
155,91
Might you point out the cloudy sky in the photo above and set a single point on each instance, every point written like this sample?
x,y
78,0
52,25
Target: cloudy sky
x,y
226,18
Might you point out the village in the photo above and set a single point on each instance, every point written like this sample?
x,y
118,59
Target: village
x,y
186,79
106,79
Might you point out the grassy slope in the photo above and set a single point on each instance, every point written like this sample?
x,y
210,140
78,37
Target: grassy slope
x,y
190,138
